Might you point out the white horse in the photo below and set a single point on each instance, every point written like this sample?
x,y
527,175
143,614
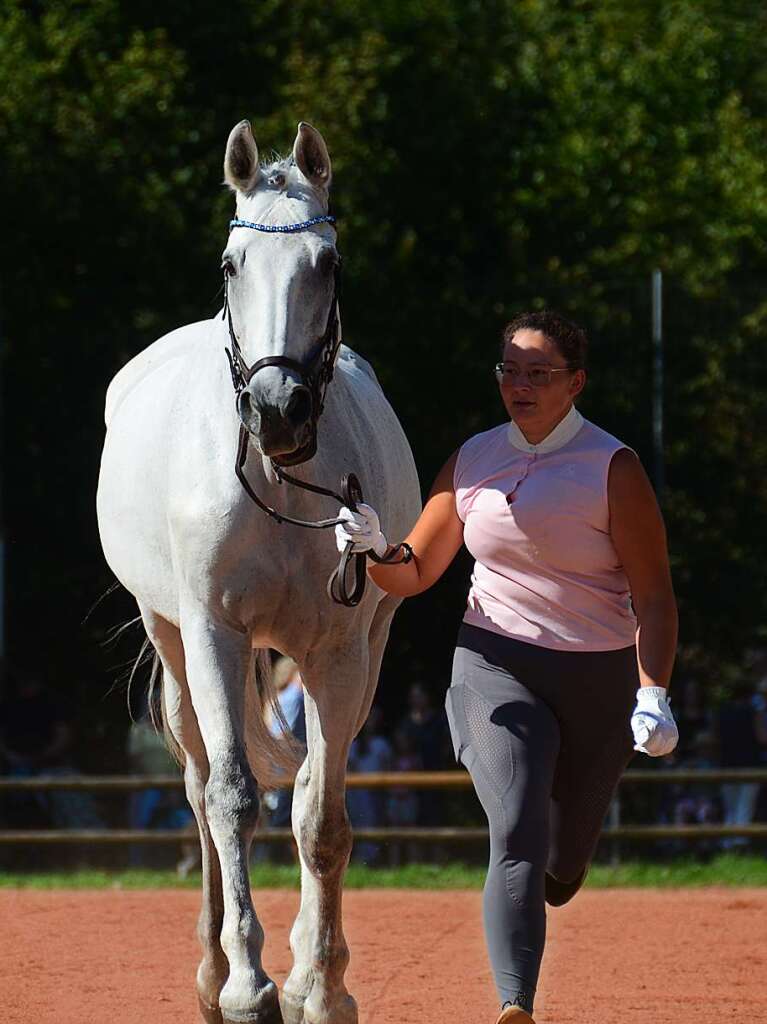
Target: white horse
x,y
214,577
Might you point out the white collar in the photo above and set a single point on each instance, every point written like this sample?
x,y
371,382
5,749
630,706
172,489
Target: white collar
x,y
563,433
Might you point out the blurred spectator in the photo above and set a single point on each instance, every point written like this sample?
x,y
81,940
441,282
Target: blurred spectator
x,y
691,712
698,803
290,696
758,670
742,739
36,739
157,807
370,752
277,804
759,702
426,727
35,736
402,806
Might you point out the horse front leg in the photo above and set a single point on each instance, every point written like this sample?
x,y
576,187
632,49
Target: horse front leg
x,y
217,659
314,992
181,721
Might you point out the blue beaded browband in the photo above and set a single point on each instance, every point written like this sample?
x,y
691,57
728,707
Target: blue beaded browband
x,y
286,229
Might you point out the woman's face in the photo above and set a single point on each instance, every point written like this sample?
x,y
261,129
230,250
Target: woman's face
x,y
537,410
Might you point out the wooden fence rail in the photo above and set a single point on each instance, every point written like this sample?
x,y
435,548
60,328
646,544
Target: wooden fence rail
x,y
154,837
371,780
378,780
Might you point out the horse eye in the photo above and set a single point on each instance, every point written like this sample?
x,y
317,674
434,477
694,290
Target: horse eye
x,y
228,267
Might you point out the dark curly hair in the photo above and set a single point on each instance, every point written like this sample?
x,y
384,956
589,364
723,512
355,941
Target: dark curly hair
x,y
569,338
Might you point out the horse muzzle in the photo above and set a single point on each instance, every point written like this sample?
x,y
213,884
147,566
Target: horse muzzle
x,y
279,426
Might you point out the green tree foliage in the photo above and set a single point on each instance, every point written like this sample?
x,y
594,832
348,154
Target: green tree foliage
x,y
489,156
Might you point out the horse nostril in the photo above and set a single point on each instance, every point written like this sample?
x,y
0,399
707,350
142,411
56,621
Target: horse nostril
x,y
299,406
245,406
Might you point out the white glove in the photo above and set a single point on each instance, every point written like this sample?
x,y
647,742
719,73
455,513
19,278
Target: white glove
x,y
362,528
653,725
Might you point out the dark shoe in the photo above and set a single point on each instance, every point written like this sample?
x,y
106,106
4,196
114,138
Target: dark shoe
x,y
558,893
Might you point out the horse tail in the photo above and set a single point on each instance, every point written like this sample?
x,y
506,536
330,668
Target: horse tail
x,y
273,755
273,752
157,713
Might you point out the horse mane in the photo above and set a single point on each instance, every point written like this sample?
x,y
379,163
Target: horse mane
x,y
280,171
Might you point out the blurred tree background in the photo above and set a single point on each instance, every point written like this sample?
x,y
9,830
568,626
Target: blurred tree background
x,y
489,156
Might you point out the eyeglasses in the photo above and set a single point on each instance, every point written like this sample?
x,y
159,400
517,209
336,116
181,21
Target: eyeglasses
x,y
539,376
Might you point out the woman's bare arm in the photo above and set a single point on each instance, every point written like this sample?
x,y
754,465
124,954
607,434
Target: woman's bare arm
x,y
639,536
435,539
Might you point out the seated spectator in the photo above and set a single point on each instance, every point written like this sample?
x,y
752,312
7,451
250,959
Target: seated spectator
x,y
157,807
698,803
277,804
35,735
742,739
370,752
402,806
757,667
691,712
36,738
290,696
426,727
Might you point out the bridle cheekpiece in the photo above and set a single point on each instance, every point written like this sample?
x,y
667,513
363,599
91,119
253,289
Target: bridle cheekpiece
x,y
316,372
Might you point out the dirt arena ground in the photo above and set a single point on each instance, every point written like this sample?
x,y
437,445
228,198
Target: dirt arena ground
x,y
613,957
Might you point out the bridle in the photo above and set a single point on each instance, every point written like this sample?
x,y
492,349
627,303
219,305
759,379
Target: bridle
x,y
317,370
316,373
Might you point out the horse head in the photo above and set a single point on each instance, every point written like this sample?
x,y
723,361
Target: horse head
x,y
280,265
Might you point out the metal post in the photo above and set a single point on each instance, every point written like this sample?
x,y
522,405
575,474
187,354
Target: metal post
x,y
657,380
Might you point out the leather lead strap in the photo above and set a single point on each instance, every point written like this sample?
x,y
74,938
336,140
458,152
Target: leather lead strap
x,y
351,496
280,517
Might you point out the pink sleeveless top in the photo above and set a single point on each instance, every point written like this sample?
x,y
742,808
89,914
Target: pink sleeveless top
x,y
537,522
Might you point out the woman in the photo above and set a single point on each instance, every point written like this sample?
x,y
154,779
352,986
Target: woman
x,y
570,624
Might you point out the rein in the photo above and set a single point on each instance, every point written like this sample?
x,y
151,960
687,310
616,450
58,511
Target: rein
x,y
316,373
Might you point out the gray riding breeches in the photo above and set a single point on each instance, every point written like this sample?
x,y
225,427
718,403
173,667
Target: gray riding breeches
x,y
545,736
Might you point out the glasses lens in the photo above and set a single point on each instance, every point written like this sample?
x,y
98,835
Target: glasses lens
x,y
506,372
538,376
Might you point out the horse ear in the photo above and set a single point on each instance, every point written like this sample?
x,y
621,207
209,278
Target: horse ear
x,y
241,169
311,155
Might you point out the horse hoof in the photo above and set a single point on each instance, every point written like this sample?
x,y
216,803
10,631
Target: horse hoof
x,y
267,1015
270,1016
209,1014
292,1010
342,1011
